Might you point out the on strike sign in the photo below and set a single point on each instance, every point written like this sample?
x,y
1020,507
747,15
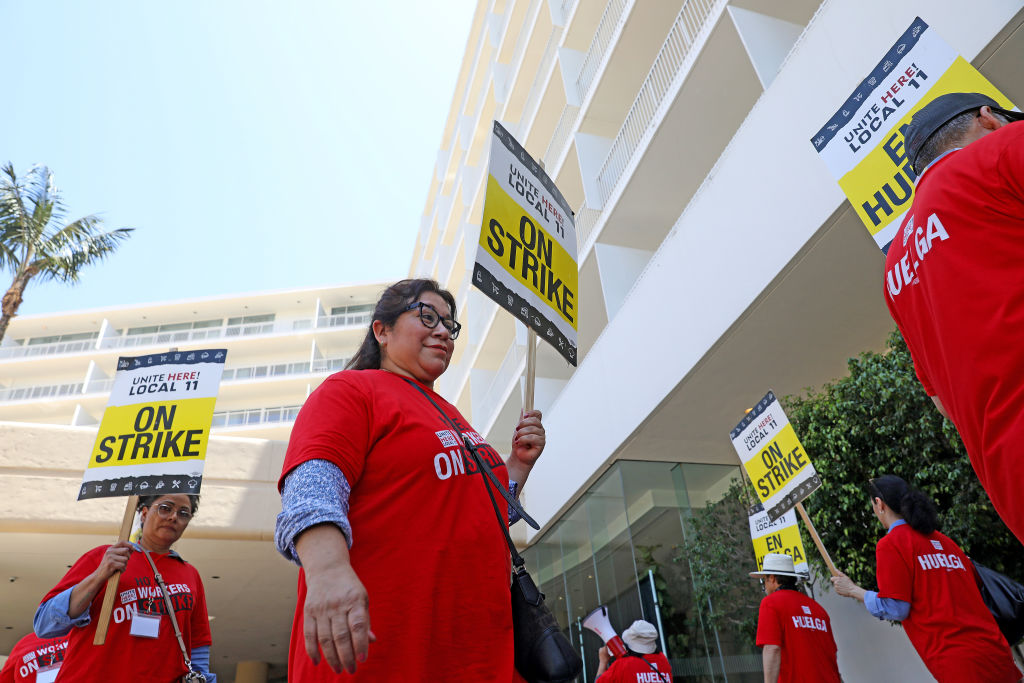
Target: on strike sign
x,y
526,259
771,453
155,429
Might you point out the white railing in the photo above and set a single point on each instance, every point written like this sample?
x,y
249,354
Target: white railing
x,y
255,416
47,349
45,391
318,366
567,7
537,89
586,219
566,124
673,54
344,320
599,45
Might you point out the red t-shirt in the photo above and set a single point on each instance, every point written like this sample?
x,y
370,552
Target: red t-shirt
x,y
954,284
949,625
637,670
799,626
124,656
30,654
426,542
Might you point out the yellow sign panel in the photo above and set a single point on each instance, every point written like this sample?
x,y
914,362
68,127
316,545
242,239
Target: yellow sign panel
x,y
150,433
781,536
528,253
780,461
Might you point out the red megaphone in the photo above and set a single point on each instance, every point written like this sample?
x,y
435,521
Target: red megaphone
x,y
597,621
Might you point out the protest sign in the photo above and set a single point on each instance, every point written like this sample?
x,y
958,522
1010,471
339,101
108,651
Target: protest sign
x,y
862,143
779,468
526,258
155,429
779,536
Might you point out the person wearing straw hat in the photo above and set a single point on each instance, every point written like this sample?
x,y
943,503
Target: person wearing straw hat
x,y
954,284
642,662
793,630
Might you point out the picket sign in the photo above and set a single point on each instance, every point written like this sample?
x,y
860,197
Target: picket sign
x,y
778,465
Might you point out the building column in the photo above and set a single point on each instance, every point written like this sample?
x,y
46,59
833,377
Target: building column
x,y
251,671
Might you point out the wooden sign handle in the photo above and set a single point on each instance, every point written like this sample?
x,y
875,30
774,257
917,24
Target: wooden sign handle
x,y
108,598
817,540
531,370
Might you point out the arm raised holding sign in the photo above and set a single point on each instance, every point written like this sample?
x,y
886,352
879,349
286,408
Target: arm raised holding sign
x,y
927,582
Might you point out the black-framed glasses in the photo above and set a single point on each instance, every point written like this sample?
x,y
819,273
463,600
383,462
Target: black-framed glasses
x,y
166,510
430,318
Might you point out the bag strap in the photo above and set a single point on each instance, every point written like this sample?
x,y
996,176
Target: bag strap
x,y
170,610
517,559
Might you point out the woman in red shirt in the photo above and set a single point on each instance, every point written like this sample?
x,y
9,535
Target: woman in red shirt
x,y
926,582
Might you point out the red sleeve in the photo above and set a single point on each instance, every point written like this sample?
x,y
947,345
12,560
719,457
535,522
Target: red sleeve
x,y
85,565
7,673
894,574
769,630
200,617
1011,159
333,425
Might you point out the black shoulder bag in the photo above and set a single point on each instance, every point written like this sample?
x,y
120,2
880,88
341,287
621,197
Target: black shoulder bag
x,y
1004,598
542,652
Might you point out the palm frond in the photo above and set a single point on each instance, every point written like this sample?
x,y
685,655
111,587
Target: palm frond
x,y
66,253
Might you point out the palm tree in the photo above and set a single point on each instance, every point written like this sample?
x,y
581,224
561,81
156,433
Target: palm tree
x,y
33,243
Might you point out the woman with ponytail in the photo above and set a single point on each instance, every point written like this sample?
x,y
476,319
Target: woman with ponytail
x,y
927,582
405,572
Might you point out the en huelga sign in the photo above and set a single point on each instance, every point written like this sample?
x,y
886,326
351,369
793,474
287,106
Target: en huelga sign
x,y
779,536
771,453
156,426
862,143
526,258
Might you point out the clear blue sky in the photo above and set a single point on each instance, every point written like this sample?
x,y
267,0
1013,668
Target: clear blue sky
x,y
254,145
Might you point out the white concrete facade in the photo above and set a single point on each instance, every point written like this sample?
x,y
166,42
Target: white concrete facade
x,y
718,257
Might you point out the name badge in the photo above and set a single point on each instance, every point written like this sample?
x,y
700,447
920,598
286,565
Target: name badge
x,y
145,625
48,674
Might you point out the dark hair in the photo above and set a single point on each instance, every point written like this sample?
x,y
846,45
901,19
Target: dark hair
x,y
392,304
786,581
949,136
909,503
147,501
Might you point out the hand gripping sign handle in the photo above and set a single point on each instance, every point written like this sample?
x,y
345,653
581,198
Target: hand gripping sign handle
x,y
817,541
108,597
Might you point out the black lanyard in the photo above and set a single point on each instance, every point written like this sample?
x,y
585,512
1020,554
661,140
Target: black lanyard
x,y
517,559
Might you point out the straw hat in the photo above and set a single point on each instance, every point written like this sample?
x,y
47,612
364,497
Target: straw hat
x,y
777,564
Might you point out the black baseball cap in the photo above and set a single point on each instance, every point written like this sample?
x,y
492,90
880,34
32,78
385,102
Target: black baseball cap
x,y
940,111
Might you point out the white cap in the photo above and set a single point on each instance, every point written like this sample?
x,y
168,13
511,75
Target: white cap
x,y
777,564
641,637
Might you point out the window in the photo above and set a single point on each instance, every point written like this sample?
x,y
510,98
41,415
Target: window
x,y
251,319
77,336
352,310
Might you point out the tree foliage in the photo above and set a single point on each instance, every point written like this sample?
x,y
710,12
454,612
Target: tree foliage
x,y
719,550
35,242
878,420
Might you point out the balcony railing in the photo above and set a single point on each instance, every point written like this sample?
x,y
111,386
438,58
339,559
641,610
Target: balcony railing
x,y
537,89
45,391
566,124
586,219
255,416
688,25
317,367
599,45
47,349
345,320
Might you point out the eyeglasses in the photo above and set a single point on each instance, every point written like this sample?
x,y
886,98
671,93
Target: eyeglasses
x,y
166,510
430,317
